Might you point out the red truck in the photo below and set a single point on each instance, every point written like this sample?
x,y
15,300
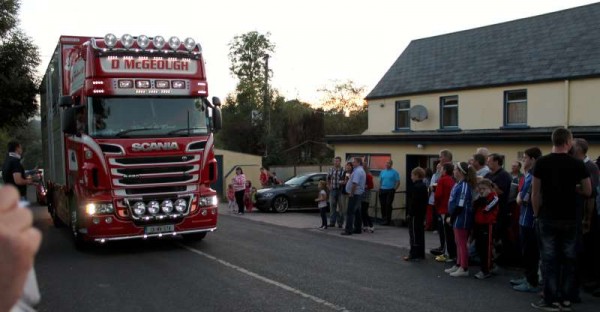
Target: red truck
x,y
128,138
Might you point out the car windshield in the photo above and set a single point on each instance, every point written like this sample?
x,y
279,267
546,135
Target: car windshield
x,y
296,180
130,116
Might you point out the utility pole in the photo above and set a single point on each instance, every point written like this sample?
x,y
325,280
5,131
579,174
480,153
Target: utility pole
x,y
267,105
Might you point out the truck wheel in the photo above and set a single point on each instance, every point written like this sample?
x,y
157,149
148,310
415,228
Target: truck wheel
x,y
55,219
194,237
280,204
80,244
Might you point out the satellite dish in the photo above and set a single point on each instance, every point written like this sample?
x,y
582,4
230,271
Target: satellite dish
x,y
418,113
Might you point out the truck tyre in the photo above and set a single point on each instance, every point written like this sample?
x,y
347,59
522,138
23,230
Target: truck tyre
x,y
194,237
280,204
80,243
52,211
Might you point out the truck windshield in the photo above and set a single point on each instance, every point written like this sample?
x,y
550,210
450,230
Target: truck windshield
x,y
137,117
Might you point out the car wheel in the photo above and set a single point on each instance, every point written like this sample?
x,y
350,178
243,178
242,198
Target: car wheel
x,y
194,237
280,204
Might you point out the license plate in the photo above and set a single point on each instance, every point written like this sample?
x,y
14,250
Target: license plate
x,y
160,228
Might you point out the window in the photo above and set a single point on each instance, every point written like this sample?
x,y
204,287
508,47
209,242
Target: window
x,y
402,115
515,108
375,162
449,112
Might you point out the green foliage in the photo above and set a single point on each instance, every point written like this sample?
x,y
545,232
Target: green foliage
x,y
8,15
258,121
30,138
19,58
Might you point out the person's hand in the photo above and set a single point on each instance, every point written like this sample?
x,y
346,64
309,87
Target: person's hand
x,y
19,242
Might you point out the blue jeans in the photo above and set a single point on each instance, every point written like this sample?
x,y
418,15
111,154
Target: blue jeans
x,y
557,243
353,209
334,201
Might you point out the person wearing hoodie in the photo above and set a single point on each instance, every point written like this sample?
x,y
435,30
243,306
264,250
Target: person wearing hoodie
x,y
416,216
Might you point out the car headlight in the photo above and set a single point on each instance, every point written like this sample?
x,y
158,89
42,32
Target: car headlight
x,y
209,201
99,208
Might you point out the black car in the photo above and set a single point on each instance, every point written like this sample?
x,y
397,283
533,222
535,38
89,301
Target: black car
x,y
298,192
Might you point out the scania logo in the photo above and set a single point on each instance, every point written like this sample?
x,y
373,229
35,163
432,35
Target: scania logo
x,y
154,146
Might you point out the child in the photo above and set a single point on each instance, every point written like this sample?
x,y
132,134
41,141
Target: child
x,y
323,204
253,192
416,216
247,196
460,209
231,198
486,209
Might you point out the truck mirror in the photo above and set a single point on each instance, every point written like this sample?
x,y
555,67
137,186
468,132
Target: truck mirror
x,y
216,119
216,101
65,101
69,124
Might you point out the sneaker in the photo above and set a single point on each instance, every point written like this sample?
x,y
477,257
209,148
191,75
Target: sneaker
x,y
436,251
371,230
526,287
542,305
460,273
518,281
495,269
480,275
566,306
441,258
452,269
450,260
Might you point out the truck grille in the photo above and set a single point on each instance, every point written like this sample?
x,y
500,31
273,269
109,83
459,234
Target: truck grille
x,y
155,175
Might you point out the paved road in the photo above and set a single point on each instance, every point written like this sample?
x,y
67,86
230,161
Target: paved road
x,y
253,264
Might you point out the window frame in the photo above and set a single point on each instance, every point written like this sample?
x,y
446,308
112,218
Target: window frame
x,y
506,122
397,111
443,105
367,156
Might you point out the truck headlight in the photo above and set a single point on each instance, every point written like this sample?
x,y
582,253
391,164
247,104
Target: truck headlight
x,y
166,206
99,208
139,208
180,205
153,207
209,201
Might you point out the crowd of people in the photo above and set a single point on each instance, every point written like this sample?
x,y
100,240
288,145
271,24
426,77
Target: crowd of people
x,y
542,215
241,194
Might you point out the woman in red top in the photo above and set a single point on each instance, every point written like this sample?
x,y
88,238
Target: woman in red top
x,y
442,196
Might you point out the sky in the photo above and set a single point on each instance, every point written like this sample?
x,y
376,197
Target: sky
x,y
317,42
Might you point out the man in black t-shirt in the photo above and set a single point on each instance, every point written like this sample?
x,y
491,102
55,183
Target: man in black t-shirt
x,y
12,170
557,179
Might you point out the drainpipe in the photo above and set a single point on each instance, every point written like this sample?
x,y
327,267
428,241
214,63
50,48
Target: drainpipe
x,y
567,103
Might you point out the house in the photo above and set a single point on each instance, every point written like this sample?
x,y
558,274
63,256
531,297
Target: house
x,y
505,87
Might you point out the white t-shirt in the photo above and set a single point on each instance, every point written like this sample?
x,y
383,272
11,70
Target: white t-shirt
x,y
322,203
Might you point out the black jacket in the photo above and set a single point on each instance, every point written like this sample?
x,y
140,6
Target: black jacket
x,y
419,200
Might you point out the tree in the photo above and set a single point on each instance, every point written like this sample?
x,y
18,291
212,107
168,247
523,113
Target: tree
x,y
19,58
346,108
344,96
248,110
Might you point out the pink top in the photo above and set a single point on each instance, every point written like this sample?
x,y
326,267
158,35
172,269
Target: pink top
x,y
239,182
